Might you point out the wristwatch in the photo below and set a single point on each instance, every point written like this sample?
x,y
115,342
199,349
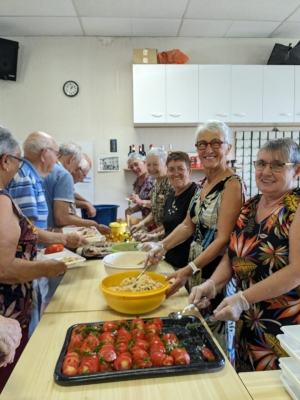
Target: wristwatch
x,y
194,268
144,203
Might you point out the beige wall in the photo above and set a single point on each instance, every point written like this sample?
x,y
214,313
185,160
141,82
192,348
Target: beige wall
x,y
103,108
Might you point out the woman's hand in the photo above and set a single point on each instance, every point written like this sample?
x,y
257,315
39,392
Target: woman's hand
x,y
181,276
156,252
201,294
137,227
10,338
55,268
135,199
73,240
103,229
128,211
149,237
231,308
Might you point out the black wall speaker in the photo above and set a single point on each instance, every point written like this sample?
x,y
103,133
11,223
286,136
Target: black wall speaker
x,y
8,59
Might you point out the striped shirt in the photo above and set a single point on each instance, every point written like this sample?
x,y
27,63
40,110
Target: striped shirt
x,y
27,190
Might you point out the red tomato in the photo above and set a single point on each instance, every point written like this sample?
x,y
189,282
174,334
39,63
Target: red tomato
x,y
107,337
70,369
89,343
108,355
125,353
155,342
110,326
180,356
142,344
71,357
122,322
76,342
171,339
168,360
122,363
78,329
139,355
54,248
143,364
88,364
137,323
121,347
123,336
157,347
156,321
104,366
151,336
208,355
157,358
153,328
137,334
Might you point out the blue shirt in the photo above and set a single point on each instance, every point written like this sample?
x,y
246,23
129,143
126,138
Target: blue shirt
x,y
27,190
59,185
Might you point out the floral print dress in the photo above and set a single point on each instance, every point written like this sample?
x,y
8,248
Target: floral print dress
x,y
143,191
205,216
257,251
158,196
16,299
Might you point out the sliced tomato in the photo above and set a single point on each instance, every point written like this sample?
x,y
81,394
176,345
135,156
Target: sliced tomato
x,y
110,326
121,347
155,342
107,337
143,364
122,322
70,369
137,334
157,347
54,248
168,360
137,323
171,339
157,321
180,356
139,354
157,358
88,364
89,344
108,355
208,354
104,366
123,336
153,328
142,344
122,363
151,336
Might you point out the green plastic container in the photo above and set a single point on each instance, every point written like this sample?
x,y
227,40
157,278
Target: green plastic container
x,y
128,246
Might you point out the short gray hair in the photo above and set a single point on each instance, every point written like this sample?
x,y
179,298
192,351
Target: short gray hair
x,y
70,149
157,152
36,142
8,143
84,164
135,156
214,126
285,147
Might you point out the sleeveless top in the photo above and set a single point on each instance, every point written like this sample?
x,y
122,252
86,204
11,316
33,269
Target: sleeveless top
x,y
16,299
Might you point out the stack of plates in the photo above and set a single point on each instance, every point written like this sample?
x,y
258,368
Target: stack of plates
x,y
290,366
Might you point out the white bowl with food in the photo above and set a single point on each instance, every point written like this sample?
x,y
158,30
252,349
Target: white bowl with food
x,y
124,261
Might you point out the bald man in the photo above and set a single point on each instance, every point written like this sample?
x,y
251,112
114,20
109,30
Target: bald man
x,y
81,172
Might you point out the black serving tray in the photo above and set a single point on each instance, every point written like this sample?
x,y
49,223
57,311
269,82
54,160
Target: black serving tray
x,y
190,338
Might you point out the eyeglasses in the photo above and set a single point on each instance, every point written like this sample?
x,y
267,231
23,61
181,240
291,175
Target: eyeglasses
x,y
275,166
81,171
178,170
215,144
57,153
21,161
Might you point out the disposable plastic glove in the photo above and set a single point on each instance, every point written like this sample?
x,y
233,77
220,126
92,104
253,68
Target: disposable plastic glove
x,y
156,252
149,237
10,337
201,295
231,308
137,227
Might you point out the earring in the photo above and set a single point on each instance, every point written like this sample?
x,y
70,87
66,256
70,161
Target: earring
x,y
7,170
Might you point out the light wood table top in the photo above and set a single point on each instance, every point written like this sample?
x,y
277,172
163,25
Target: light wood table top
x,y
32,378
79,289
264,385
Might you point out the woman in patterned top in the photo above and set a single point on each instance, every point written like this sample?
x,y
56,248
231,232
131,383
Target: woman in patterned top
x,y
157,169
263,255
211,218
141,186
18,240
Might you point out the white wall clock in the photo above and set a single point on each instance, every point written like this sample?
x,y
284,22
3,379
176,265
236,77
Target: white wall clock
x,y
71,88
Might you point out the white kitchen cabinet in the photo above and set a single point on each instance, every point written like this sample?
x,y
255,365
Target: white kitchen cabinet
x,y
246,93
297,94
149,94
278,93
182,94
214,92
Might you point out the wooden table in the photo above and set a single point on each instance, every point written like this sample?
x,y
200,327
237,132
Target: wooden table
x,y
32,378
264,385
79,289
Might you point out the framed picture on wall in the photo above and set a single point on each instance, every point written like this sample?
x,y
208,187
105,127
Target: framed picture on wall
x,y
108,163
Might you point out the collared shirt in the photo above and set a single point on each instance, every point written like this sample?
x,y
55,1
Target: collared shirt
x,y
27,190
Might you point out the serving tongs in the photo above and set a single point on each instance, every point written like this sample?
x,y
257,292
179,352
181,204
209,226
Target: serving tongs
x,y
142,273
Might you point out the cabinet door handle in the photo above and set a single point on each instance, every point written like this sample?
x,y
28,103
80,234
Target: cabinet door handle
x,y
222,115
175,115
239,115
157,115
286,114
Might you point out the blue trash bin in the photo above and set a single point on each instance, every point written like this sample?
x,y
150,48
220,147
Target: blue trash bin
x,y
106,213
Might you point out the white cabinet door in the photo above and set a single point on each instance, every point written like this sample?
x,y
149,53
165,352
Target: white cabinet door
x,y
297,95
149,94
182,93
246,93
278,93
214,92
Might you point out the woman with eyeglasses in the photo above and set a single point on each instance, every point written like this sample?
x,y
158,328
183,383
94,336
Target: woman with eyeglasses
x,y
18,265
263,255
210,219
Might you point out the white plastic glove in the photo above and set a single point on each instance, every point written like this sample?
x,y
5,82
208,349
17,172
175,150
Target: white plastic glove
x,y
137,227
156,252
231,308
201,295
148,246
149,237
10,338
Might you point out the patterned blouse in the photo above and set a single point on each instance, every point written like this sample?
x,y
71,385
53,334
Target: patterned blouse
x,y
257,251
16,299
158,197
143,191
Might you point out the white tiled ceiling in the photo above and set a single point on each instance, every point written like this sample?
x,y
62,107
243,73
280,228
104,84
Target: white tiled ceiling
x,y
169,18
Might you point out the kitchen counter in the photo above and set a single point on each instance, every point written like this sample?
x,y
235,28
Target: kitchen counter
x,y
79,299
265,385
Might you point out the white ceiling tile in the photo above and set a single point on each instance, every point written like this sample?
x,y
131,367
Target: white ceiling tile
x,y
106,26
287,30
295,17
251,29
44,26
155,27
204,28
30,8
131,8
243,10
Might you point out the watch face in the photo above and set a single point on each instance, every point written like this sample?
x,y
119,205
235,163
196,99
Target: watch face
x,y
71,88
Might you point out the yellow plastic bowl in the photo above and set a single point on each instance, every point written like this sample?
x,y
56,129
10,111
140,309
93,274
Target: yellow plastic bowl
x,y
136,303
